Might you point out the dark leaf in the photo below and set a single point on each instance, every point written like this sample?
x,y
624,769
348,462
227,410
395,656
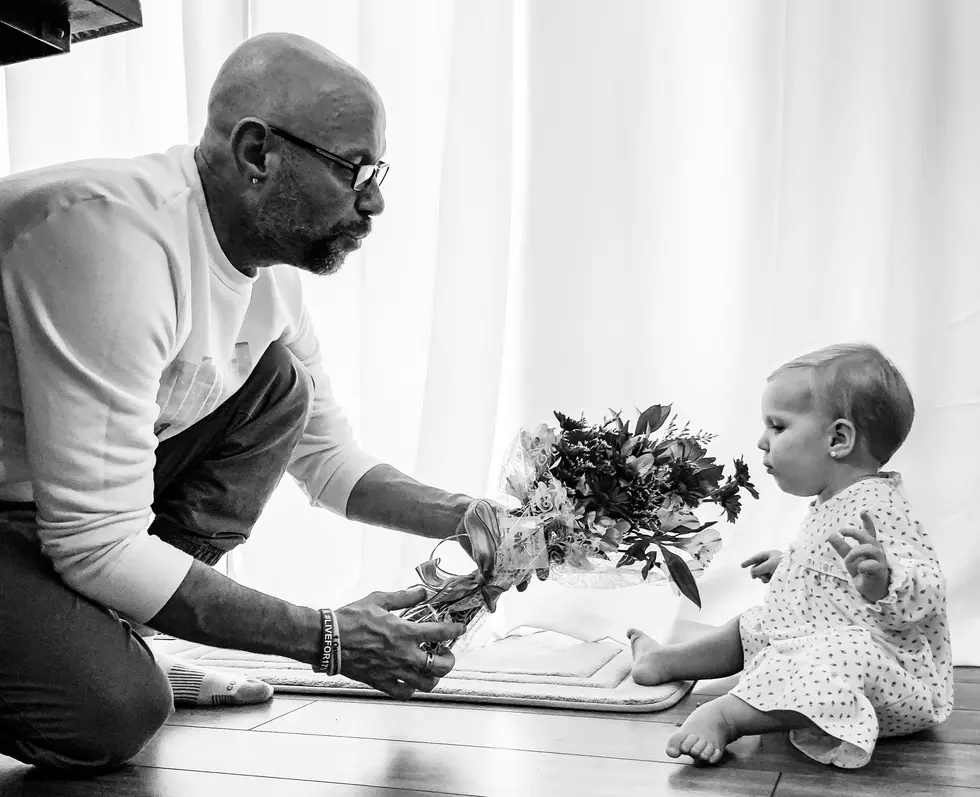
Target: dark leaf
x,y
685,532
629,445
652,419
711,476
651,562
637,550
681,575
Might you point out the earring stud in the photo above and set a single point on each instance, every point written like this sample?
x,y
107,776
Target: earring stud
x,y
255,181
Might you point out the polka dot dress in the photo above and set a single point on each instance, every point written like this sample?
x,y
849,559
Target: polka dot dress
x,y
858,670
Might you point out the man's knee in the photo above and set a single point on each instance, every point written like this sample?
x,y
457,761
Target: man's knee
x,y
106,728
132,718
288,377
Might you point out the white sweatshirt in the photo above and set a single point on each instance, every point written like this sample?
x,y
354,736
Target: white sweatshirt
x,y
122,323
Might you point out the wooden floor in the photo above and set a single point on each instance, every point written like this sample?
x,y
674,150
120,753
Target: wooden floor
x,y
301,747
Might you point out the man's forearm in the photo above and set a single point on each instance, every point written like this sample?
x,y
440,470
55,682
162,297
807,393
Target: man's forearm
x,y
214,610
387,497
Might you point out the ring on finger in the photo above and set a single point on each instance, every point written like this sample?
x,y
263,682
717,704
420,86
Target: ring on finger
x,y
427,667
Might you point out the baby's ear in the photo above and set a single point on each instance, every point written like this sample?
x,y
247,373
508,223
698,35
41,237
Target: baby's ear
x,y
843,438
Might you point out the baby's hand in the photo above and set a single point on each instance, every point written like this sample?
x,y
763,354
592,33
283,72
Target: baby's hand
x,y
763,564
866,561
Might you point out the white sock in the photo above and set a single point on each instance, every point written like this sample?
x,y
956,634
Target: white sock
x,y
193,686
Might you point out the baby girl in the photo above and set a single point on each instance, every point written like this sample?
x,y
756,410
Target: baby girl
x,y
851,642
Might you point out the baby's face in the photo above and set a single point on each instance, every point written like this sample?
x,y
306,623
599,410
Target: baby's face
x,y
796,439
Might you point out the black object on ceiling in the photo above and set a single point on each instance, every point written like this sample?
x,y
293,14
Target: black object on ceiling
x,y
32,29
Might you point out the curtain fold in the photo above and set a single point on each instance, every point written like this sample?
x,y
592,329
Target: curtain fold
x,y
597,205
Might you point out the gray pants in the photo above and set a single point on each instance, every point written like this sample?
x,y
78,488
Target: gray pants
x,y
78,689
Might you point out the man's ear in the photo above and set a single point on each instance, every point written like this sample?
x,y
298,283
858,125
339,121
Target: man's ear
x,y
843,438
250,149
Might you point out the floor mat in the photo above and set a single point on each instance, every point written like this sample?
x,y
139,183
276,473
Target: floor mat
x,y
541,668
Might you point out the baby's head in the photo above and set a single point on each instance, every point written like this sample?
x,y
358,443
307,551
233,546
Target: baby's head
x,y
833,416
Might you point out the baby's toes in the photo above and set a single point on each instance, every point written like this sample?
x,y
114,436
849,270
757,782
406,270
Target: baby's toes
x,y
698,748
674,744
689,743
716,755
706,751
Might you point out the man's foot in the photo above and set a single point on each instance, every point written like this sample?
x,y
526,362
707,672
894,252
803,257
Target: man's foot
x,y
193,686
648,666
704,735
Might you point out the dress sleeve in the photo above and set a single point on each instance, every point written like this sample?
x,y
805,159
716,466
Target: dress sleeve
x,y
91,303
916,586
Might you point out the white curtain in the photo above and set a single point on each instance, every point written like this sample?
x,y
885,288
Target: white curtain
x,y
603,204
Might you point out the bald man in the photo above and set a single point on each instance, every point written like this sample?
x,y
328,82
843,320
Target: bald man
x,y
159,373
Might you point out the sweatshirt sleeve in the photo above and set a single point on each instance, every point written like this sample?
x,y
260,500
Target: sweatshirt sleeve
x,y
327,462
91,301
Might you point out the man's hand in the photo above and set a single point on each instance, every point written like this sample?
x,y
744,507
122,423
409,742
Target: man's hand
x,y
763,564
866,561
382,650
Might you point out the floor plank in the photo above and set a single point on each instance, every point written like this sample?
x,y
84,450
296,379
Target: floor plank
x,y
963,727
451,769
895,761
794,785
967,675
238,717
967,695
305,746
623,738
22,781
582,734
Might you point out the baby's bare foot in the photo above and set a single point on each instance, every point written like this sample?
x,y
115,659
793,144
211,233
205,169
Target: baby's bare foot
x,y
648,667
704,735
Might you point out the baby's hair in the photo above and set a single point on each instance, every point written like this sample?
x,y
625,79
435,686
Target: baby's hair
x,y
857,382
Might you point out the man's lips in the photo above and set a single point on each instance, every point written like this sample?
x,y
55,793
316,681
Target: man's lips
x,y
358,233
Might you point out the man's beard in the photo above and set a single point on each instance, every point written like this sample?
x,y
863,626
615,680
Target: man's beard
x,y
325,255
283,236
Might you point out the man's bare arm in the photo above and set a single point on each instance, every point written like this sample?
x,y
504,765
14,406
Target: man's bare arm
x,y
378,648
387,497
212,609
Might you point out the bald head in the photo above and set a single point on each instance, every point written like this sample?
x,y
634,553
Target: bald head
x,y
289,126
291,81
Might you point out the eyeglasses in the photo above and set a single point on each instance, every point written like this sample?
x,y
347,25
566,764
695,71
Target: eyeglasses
x,y
364,173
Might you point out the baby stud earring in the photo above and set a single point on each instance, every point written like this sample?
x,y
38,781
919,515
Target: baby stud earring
x,y
255,181
833,454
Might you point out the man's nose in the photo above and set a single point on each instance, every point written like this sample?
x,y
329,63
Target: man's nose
x,y
370,201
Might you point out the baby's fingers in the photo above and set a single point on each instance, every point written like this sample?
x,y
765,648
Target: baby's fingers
x,y
759,558
839,544
861,536
871,567
863,553
869,525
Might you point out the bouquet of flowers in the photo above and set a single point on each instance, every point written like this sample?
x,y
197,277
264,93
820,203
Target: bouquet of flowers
x,y
613,499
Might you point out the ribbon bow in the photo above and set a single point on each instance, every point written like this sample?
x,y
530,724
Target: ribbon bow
x,y
503,558
479,588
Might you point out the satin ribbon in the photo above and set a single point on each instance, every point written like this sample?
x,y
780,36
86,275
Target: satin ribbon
x,y
478,588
